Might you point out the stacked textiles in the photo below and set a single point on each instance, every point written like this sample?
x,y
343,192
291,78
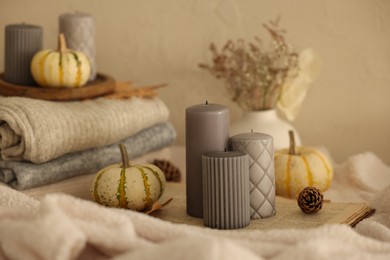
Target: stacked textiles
x,y
42,142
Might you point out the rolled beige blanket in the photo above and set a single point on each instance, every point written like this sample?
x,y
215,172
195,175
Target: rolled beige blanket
x,y
39,131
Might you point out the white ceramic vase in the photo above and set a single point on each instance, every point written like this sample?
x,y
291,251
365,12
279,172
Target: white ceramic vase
x,y
267,122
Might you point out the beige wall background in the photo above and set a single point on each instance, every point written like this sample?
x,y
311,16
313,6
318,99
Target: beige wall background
x,y
162,41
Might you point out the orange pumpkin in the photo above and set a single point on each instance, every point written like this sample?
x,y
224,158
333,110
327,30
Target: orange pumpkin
x,y
61,68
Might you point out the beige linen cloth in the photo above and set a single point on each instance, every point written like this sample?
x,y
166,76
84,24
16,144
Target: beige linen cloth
x,y
39,131
63,227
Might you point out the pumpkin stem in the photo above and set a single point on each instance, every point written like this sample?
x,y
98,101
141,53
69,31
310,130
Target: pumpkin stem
x,y
125,156
292,142
61,43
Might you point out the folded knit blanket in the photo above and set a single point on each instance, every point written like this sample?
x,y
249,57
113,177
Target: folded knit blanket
x,y
39,130
24,175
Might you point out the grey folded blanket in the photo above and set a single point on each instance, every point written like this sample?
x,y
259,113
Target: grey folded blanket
x,y
24,175
39,131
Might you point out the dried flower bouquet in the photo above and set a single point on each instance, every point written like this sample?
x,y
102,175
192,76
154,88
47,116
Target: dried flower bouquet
x,y
260,78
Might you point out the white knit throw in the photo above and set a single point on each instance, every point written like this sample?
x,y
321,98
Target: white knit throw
x,y
63,227
38,130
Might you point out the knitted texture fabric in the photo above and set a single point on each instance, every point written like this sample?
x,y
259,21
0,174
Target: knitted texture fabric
x,y
24,175
39,131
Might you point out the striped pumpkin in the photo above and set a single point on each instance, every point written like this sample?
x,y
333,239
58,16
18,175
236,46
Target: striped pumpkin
x,y
134,187
299,167
61,68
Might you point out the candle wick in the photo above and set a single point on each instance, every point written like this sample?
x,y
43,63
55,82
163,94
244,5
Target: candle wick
x,y
225,149
251,130
207,102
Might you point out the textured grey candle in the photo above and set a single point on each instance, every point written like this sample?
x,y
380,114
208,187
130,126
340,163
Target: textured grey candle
x,y
225,190
207,129
79,32
260,149
22,41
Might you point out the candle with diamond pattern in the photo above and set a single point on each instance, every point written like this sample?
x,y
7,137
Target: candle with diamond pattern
x,y
207,129
260,149
79,31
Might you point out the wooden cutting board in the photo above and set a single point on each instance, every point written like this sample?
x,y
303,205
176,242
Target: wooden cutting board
x,y
103,84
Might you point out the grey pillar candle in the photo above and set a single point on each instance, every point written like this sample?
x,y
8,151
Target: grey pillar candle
x,y
260,149
225,190
207,129
79,31
22,41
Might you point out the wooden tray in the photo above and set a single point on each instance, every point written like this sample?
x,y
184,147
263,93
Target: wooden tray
x,y
103,84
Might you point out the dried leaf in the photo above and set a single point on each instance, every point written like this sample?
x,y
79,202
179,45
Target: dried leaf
x,y
124,90
156,206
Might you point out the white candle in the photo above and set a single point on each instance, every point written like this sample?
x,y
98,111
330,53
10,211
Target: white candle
x,y
207,129
79,31
260,149
225,190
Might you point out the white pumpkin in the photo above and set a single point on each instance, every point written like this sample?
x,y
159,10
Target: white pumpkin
x,y
299,167
135,187
61,68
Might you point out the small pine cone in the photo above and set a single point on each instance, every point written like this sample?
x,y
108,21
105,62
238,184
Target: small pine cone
x,y
310,200
172,173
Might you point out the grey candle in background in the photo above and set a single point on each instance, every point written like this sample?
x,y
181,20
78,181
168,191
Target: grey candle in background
x,y
260,149
22,41
225,190
79,31
207,129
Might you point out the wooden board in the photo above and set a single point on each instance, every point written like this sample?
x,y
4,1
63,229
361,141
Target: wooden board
x,y
103,84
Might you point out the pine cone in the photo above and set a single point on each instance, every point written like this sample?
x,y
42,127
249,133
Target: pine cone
x,y
172,173
310,200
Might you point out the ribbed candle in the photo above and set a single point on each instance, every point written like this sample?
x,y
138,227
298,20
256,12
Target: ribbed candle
x,y
259,148
225,190
79,31
22,41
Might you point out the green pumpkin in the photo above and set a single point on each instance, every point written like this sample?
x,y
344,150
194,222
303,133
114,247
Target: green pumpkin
x,y
123,185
